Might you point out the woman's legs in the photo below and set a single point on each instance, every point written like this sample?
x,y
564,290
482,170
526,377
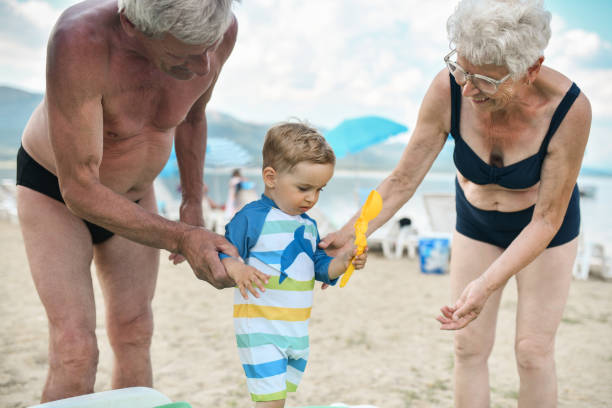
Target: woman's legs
x,y
543,288
473,344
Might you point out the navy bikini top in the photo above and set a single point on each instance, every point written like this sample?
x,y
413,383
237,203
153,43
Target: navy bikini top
x,y
519,175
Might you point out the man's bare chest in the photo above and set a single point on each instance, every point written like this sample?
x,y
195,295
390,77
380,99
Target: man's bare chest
x,y
149,101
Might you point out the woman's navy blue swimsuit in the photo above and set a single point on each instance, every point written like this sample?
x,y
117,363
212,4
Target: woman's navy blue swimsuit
x,y
496,227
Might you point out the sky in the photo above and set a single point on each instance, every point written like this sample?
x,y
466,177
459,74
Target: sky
x,y
325,61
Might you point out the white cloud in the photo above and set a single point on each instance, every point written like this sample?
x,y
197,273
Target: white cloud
x,y
572,52
321,60
25,29
40,13
330,60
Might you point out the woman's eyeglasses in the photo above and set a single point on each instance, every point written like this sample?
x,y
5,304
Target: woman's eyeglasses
x,y
483,83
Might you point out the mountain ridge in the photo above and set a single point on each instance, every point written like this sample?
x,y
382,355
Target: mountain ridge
x,y
17,105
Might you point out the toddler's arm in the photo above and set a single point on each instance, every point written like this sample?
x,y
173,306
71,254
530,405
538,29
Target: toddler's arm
x,y
245,276
339,264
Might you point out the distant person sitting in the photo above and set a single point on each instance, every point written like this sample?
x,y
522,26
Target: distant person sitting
x,y
240,192
213,213
275,236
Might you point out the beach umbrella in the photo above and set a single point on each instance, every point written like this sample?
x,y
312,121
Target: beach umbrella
x,y
220,152
354,135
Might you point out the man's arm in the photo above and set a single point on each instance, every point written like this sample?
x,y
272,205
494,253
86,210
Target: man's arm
x,y
190,144
76,75
191,135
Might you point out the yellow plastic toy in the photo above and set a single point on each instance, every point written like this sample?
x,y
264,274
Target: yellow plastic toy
x,y
369,211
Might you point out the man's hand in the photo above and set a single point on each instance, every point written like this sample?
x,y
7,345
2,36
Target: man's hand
x,y
201,249
190,214
245,276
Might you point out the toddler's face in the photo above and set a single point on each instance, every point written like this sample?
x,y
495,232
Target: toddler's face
x,y
297,191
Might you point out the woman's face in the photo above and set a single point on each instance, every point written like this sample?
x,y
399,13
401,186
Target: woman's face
x,y
480,100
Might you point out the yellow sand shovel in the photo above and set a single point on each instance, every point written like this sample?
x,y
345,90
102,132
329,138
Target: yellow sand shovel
x,y
369,211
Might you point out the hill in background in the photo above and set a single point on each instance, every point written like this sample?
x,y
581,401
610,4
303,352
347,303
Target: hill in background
x,y
16,107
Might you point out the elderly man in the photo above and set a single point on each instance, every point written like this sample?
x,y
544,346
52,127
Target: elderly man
x,y
123,81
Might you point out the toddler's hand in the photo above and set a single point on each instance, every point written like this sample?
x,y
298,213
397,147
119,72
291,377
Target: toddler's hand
x,y
245,276
360,260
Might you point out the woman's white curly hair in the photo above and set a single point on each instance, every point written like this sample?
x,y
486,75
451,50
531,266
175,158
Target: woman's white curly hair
x,y
511,33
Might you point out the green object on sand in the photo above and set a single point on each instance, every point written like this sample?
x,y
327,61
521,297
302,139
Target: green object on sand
x,y
174,405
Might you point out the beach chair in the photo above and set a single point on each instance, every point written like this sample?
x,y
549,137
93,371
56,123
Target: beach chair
x,y
592,259
440,209
133,397
8,201
436,222
396,237
435,242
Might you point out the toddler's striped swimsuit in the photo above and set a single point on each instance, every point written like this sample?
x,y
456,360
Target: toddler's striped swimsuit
x,y
272,331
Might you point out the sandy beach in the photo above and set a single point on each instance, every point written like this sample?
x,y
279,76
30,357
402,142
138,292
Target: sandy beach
x,y
373,342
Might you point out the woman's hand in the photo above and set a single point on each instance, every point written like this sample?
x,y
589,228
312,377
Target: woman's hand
x,y
467,308
336,242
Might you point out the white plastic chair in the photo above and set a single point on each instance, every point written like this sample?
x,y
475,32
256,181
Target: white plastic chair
x,y
591,258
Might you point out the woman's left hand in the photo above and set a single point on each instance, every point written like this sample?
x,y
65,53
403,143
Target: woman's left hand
x,y
467,308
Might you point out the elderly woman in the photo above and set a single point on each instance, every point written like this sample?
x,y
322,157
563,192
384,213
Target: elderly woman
x,y
520,130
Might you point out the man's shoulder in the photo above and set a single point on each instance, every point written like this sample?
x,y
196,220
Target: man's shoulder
x,y
83,31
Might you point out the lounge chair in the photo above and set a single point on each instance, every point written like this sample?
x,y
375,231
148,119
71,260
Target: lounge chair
x,y
592,259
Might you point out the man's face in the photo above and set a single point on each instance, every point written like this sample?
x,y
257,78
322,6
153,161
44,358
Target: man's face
x,y
179,60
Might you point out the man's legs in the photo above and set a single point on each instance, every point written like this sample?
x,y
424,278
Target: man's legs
x,y
59,251
127,272
543,287
473,343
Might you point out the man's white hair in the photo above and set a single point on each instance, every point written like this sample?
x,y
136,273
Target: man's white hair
x,y
190,21
511,33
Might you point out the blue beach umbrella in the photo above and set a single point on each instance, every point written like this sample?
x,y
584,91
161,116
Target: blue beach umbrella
x,y
225,153
354,135
219,153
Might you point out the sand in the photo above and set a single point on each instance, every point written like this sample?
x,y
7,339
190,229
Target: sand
x,y
373,342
